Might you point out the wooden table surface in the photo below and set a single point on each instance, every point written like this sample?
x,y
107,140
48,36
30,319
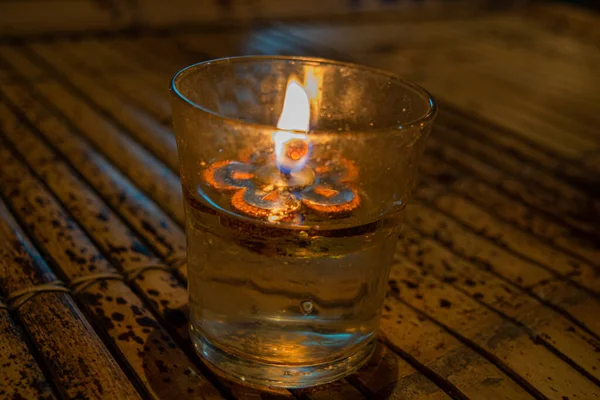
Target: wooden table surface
x,y
495,289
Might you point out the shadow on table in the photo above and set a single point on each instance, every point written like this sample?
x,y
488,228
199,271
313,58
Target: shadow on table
x,y
378,378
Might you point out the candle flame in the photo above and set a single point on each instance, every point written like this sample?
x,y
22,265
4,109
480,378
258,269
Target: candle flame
x,y
292,149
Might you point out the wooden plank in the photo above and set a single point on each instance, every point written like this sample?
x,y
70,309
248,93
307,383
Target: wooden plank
x,y
498,339
79,363
21,376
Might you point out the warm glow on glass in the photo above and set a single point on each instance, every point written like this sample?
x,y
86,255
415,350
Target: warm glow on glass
x,y
293,149
313,80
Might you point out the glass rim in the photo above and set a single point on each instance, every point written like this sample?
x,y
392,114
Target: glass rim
x,y
423,93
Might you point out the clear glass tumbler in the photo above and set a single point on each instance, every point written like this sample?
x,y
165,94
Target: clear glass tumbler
x,y
295,173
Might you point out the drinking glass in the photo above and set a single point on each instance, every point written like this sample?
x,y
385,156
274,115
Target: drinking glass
x,y
295,173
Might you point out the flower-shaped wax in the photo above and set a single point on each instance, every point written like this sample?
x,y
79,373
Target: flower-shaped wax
x,y
261,191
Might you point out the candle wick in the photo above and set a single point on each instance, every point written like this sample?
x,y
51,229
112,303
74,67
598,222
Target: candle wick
x,y
286,174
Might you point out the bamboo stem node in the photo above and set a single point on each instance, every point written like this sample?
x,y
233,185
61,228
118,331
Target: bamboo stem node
x,y
79,285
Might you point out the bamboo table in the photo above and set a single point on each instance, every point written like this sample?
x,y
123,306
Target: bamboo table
x,y
495,289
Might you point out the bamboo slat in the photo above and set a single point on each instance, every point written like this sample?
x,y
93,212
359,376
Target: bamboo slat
x,y
568,208
499,340
491,367
159,365
543,324
585,342
141,213
552,232
507,142
63,186
557,208
20,374
518,215
140,166
554,196
487,256
463,237
80,365
387,376
308,393
495,290
468,373
156,138
517,242
515,168
431,66
125,78
127,320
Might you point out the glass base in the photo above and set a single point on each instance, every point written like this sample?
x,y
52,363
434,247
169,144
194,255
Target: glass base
x,y
254,373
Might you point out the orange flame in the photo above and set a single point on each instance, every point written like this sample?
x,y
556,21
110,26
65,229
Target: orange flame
x,y
293,149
